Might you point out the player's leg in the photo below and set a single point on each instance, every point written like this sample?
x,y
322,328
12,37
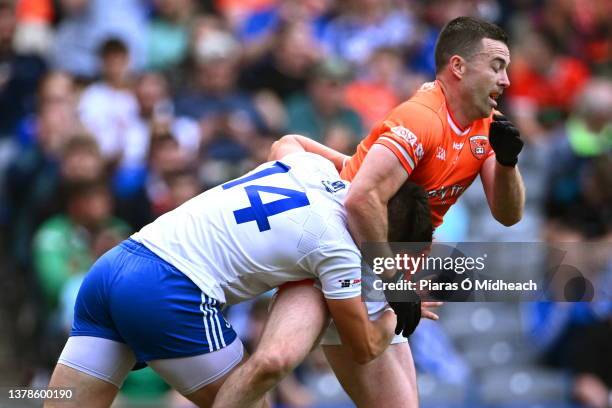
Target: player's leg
x,y
87,391
93,369
199,378
95,359
389,380
172,325
297,317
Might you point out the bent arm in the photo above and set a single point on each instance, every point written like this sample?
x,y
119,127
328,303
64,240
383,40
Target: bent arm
x,y
295,143
505,191
379,178
366,339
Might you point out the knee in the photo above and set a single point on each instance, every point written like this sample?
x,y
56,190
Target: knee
x,y
272,365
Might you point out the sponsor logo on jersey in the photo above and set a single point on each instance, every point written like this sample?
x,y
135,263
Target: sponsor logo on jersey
x,y
333,186
446,192
457,146
478,145
441,153
349,283
405,134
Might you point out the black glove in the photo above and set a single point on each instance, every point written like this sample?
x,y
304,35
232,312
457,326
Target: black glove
x,y
505,140
407,308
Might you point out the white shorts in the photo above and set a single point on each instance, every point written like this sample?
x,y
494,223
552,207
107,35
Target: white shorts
x,y
112,361
375,310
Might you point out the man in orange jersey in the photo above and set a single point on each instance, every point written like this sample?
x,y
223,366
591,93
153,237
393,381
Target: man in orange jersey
x,y
441,138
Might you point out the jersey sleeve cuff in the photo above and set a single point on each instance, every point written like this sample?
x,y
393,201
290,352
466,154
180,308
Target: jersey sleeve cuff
x,y
400,152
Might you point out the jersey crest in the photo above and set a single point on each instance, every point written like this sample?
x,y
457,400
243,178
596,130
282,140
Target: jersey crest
x,y
478,145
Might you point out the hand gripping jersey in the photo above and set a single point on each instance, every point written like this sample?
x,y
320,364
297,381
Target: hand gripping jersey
x,y
283,221
435,152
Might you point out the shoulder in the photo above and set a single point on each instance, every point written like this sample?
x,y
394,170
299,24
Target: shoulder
x,y
414,121
424,110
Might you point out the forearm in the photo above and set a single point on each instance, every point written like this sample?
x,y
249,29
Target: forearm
x,y
330,154
508,195
382,333
308,145
366,339
367,222
367,217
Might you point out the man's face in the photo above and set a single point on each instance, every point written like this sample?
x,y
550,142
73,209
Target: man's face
x,y
82,164
327,95
150,90
115,66
486,77
92,208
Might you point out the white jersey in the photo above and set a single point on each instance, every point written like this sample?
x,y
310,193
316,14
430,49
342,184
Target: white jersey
x,y
284,221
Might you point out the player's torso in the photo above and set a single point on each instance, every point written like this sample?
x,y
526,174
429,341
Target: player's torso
x,y
450,166
247,236
448,160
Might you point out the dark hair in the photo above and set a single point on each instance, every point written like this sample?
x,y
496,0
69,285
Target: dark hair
x,y
81,188
161,140
409,216
181,173
462,36
81,142
112,45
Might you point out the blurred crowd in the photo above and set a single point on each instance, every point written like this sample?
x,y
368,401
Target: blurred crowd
x,y
113,112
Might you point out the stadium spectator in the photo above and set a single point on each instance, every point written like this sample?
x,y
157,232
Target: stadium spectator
x,y
67,243
215,90
323,107
155,109
54,89
284,70
154,196
383,84
108,107
19,76
230,123
362,26
579,29
168,33
259,30
544,84
282,73
86,24
34,174
575,336
573,198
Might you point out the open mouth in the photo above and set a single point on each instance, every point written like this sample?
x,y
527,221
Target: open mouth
x,y
493,97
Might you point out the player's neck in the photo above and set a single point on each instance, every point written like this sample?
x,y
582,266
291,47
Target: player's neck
x,y
454,104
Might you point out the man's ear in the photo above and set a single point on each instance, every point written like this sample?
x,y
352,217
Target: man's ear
x,y
457,66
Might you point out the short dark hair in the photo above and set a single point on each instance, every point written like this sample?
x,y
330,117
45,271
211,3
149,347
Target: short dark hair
x,y
81,142
462,36
112,45
409,216
81,188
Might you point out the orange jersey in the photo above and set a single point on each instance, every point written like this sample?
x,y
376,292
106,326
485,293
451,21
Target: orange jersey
x,y
435,152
